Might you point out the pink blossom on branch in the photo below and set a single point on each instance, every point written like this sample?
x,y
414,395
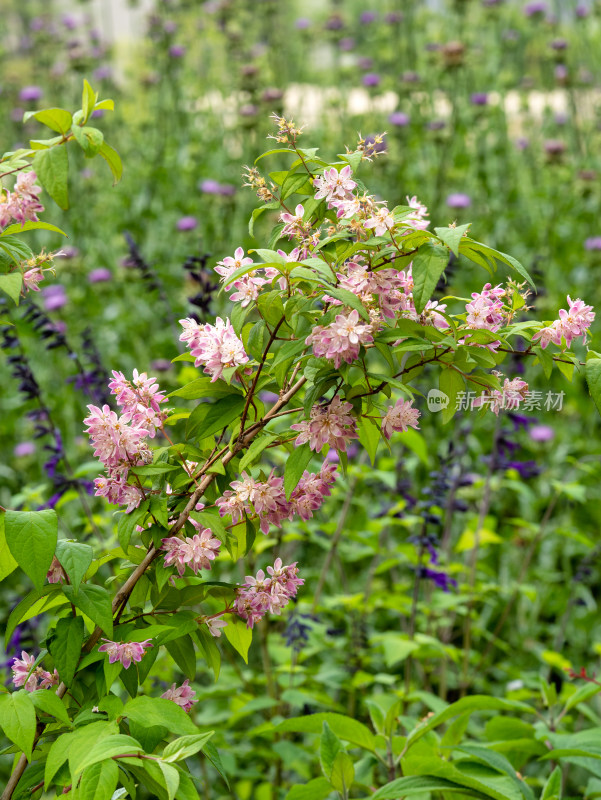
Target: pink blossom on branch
x,y
400,417
196,552
216,347
341,340
140,398
38,679
330,424
571,324
56,573
334,186
263,594
183,696
125,652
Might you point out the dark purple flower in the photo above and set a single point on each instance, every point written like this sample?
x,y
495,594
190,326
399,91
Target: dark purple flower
x,y
371,79
54,297
24,449
558,44
248,110
380,147
367,17
334,23
30,94
100,275
541,433
561,73
346,44
69,251
459,200
593,243
177,50
554,147
69,22
479,98
581,11
365,62
209,186
272,95
227,190
161,365
440,579
399,118
98,113
170,26
534,8
187,223
393,18
522,143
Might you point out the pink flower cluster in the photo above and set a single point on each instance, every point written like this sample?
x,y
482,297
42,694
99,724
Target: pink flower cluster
x,y
486,310
119,440
140,399
571,324
39,678
125,652
295,227
267,499
335,187
400,417
22,204
216,347
267,594
341,340
508,398
181,695
417,220
247,287
330,424
196,552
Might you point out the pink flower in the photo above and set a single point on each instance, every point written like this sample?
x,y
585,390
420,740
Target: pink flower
x,y
329,424
196,552
341,340
118,491
509,398
21,667
229,265
293,223
571,324
262,594
140,399
181,695
214,625
382,221
486,311
55,574
118,443
400,417
417,220
22,204
125,652
334,185
216,347
32,277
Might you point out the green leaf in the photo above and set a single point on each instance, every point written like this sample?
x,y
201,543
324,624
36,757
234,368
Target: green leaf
x,y
552,788
469,247
593,378
451,382
330,747
343,773
113,159
369,436
89,139
316,789
293,183
452,236
127,522
159,711
75,558
155,469
65,647
57,119
57,755
259,444
11,284
52,168
31,605
296,463
428,265
209,418
46,700
95,602
116,745
17,718
418,785
186,789
7,563
349,299
185,746
239,636
30,226
464,706
88,100
204,387
212,754
98,781
344,727
170,778
182,652
31,537
209,649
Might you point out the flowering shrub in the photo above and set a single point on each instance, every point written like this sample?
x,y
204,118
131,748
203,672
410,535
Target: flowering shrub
x,y
326,345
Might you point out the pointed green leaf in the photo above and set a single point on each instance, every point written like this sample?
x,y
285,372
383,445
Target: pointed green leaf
x,y
11,284
52,168
65,647
428,265
17,719
95,602
75,558
31,537
296,463
238,635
